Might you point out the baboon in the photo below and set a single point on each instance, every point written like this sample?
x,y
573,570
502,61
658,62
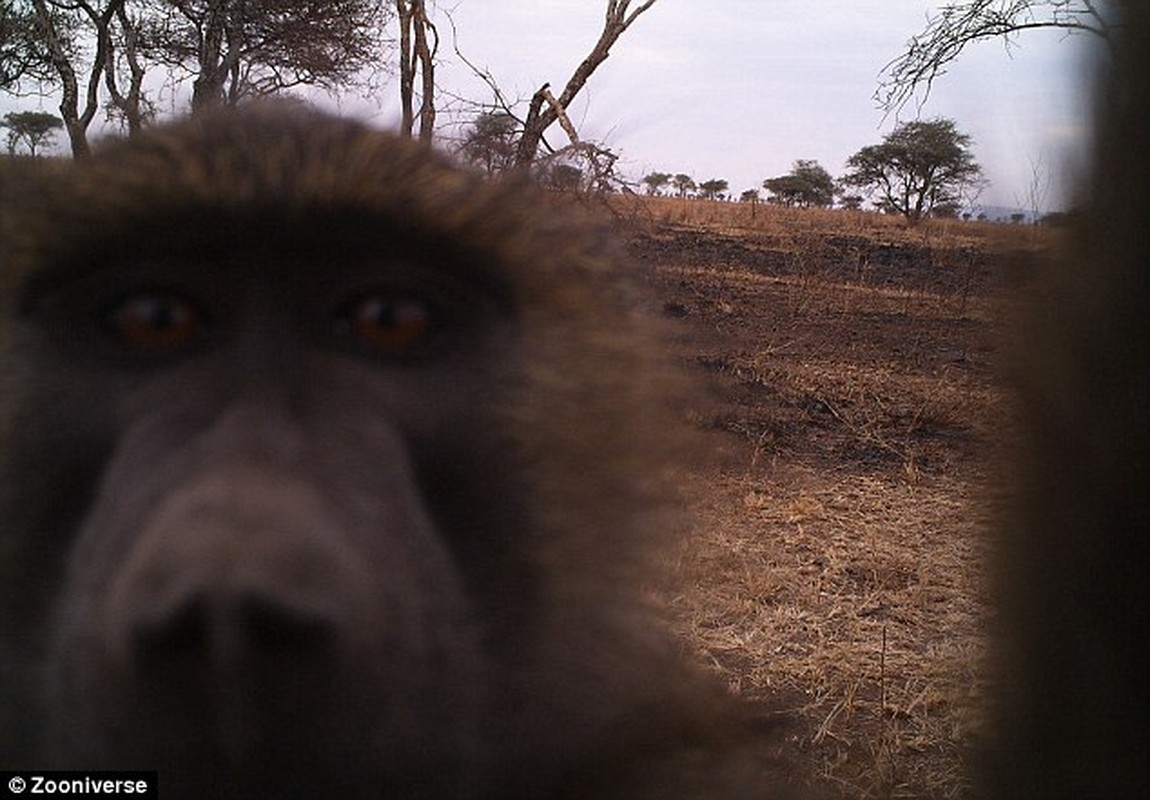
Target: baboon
x,y
1073,708
330,470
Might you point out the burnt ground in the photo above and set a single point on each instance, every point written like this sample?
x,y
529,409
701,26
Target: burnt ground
x,y
854,406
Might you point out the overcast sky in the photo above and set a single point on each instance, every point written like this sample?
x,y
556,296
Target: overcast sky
x,y
740,89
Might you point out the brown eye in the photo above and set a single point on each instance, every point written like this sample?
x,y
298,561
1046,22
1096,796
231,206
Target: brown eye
x,y
393,325
155,322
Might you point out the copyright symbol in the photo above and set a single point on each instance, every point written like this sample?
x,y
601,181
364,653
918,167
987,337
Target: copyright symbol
x,y
17,785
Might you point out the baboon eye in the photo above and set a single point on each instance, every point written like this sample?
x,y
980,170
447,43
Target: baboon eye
x,y
387,324
155,322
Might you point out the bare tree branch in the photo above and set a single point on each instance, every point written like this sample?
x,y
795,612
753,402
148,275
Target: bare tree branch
x,y
23,56
959,24
501,103
618,18
131,104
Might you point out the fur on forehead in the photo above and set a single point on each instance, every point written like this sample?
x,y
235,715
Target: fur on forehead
x,y
222,172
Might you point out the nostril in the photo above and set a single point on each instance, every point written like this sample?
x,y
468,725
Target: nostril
x,y
270,626
183,631
208,627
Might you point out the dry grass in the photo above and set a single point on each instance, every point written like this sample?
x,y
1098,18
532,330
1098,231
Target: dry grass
x,y
839,563
855,602
766,219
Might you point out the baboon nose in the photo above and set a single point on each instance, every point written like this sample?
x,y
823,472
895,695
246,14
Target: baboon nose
x,y
221,628
240,568
234,666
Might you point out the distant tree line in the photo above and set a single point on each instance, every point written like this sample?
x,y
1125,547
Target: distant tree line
x,y
920,169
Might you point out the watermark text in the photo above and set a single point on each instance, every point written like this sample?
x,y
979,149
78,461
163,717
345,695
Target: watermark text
x,y
56,783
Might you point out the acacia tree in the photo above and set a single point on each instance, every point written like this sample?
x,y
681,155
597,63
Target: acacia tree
x,y
683,183
96,53
65,46
238,49
713,188
918,167
33,128
22,56
808,185
850,201
656,181
72,47
489,142
124,72
957,25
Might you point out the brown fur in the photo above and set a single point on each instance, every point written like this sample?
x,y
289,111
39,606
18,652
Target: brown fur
x,y
274,565
1074,558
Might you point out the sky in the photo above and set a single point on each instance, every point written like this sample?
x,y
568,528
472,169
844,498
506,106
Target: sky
x,y
741,89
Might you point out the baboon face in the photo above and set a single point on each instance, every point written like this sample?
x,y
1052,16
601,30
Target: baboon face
x,y
317,469
269,550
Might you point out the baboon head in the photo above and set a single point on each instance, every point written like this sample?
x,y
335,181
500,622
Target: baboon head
x,y
327,470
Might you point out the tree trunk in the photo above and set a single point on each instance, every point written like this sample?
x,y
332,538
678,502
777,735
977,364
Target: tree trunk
x,y
416,53
406,69
130,103
426,55
208,87
539,119
76,121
